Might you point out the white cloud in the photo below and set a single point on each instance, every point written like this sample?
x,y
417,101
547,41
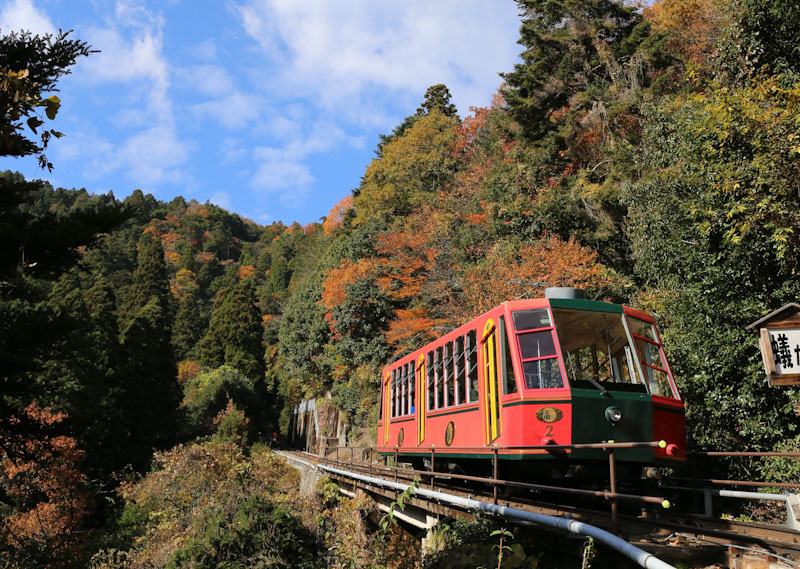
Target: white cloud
x,y
22,15
232,151
364,64
146,146
149,157
282,169
208,79
282,173
222,199
205,50
234,110
135,57
341,53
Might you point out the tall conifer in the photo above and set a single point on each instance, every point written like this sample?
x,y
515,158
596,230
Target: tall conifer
x,y
152,392
235,334
189,325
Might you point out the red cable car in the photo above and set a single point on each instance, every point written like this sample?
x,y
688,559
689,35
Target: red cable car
x,y
528,374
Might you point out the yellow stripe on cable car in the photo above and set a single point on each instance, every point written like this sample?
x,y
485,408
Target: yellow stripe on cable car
x,y
387,410
421,399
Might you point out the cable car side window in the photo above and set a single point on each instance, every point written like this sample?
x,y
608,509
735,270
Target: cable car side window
x,y
461,378
439,378
472,365
429,369
393,393
448,374
411,381
537,348
651,356
404,392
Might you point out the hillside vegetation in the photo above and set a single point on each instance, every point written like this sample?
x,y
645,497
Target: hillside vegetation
x,y
649,156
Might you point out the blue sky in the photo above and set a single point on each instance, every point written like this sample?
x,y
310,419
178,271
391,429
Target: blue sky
x,y
269,108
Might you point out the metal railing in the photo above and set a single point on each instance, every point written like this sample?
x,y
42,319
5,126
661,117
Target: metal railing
x,y
704,486
371,467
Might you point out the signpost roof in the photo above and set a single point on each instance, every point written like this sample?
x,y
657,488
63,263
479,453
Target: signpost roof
x,y
784,311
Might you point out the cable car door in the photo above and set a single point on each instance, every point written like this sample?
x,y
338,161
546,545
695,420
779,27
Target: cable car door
x,y
420,399
387,384
491,387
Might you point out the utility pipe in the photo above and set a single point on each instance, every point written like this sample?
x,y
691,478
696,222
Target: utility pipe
x,y
643,558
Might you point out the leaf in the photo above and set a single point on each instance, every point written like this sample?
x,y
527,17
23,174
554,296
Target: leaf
x,y
52,105
34,123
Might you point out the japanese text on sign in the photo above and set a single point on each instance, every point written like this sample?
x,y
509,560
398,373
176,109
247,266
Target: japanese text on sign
x,y
785,346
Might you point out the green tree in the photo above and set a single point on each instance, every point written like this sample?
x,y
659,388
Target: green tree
x,y
30,67
574,49
437,97
189,325
207,394
38,245
235,332
279,276
412,169
762,37
152,392
711,249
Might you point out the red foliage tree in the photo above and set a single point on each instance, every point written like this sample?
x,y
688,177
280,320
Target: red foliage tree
x,y
46,490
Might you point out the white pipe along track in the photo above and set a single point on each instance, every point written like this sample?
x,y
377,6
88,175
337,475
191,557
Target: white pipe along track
x,y
640,556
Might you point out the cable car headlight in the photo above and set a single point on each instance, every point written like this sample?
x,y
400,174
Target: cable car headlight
x,y
613,414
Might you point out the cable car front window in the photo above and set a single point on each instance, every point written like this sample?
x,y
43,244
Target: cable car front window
x,y
597,352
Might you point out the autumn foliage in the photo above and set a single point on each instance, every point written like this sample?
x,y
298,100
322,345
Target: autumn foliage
x,y
693,26
42,479
510,272
337,214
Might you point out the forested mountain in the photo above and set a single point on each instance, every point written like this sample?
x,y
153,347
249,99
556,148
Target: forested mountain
x,y
650,157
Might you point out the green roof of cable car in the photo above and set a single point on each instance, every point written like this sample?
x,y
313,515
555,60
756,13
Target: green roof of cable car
x,y
582,304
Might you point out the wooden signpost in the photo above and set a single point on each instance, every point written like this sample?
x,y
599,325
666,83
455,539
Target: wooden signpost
x,y
780,344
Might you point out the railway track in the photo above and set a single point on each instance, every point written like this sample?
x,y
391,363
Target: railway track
x,y
647,527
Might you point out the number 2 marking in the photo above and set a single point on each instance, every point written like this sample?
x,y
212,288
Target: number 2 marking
x,y
548,432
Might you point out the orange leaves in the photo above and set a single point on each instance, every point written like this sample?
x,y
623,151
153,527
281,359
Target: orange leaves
x,y
245,271
337,214
411,327
43,481
172,257
400,270
469,128
337,280
509,272
693,25
187,370
336,283
406,258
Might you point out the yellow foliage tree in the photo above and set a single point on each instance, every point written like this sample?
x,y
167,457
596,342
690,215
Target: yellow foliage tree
x,y
413,168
